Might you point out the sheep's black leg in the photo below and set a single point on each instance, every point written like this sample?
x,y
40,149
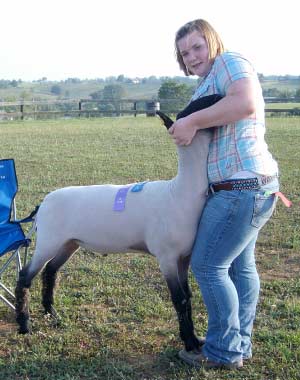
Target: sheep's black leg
x,y
22,300
26,276
181,298
22,294
49,277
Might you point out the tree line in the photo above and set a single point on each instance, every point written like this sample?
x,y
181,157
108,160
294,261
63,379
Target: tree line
x,y
173,93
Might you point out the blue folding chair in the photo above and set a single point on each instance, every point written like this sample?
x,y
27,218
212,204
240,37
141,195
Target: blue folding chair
x,y
12,237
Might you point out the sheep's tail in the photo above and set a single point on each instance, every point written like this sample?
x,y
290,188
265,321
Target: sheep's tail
x,y
31,218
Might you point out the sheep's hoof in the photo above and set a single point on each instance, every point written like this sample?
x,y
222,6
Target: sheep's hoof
x,y
50,311
55,318
24,330
194,343
201,341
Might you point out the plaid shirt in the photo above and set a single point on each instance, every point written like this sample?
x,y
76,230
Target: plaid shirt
x,y
239,146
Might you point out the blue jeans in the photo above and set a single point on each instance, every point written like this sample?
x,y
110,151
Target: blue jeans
x,y
223,264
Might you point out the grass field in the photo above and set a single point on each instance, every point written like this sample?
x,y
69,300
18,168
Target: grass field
x,y
117,321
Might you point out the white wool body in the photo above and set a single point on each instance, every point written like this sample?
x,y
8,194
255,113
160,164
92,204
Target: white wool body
x,y
161,219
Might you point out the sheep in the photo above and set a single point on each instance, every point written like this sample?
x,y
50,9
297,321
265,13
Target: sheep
x,y
161,220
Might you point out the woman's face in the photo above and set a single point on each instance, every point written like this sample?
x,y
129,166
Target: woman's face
x,y
194,51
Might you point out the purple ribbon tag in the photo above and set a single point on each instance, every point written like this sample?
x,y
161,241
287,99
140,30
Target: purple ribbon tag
x,y
119,204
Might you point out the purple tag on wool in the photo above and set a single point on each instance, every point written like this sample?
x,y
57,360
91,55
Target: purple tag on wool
x,y
119,204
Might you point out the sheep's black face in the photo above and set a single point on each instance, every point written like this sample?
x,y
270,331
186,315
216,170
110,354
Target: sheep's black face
x,y
194,106
199,104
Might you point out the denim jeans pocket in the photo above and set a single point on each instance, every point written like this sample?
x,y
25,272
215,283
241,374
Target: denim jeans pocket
x,y
263,209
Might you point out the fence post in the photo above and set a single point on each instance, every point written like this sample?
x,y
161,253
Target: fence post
x,y
152,107
135,108
22,111
79,107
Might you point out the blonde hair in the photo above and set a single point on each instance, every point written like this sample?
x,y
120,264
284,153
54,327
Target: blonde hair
x,y
213,40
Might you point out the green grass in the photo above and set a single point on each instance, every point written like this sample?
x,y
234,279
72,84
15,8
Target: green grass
x,y
116,318
286,106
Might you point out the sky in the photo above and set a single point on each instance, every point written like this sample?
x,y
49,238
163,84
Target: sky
x,y
87,39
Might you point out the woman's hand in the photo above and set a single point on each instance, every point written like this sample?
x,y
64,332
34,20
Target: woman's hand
x,y
182,131
239,103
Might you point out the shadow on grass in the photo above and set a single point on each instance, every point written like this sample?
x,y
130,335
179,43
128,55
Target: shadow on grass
x,y
163,365
102,366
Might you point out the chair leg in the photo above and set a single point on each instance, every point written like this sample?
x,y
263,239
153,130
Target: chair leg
x,y
14,256
25,256
6,265
6,301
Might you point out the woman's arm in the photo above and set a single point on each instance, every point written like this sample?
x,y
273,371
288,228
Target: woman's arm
x,y
239,103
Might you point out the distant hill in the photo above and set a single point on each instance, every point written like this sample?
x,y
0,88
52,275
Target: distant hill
x,y
134,88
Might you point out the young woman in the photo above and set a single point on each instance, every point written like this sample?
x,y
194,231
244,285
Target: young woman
x,y
243,179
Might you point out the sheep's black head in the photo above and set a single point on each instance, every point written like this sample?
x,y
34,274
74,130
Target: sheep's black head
x,y
199,104
195,105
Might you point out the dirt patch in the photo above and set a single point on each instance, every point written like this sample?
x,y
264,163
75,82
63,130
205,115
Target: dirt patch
x,y
6,328
278,265
7,321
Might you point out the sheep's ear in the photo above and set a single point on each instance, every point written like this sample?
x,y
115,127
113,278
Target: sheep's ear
x,y
165,119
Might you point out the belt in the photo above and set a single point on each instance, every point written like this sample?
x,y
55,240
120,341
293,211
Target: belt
x,y
241,184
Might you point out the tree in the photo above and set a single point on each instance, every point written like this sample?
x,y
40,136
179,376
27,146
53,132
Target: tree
x,y
114,93
272,92
72,80
25,95
174,96
56,89
4,83
121,78
97,94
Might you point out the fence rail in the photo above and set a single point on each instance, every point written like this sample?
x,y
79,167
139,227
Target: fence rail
x,y
82,107
76,107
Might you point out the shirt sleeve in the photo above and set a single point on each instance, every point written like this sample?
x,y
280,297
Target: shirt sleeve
x,y
229,68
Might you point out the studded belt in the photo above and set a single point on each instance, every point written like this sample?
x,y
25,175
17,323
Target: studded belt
x,y
241,184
